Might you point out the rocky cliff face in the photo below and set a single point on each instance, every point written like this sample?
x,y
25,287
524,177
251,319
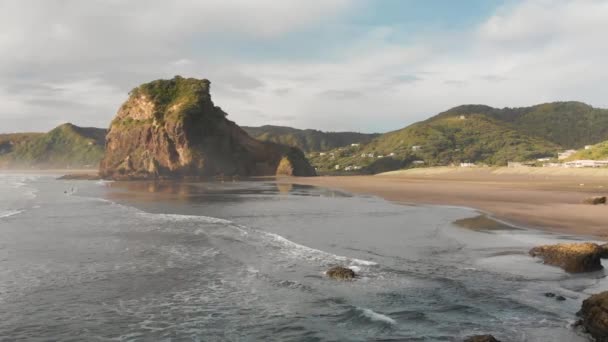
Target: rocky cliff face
x,y
172,129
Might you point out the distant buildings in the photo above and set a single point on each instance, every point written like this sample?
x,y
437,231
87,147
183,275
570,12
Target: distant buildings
x,y
586,163
322,154
587,147
467,164
416,147
418,162
392,154
462,117
355,145
337,167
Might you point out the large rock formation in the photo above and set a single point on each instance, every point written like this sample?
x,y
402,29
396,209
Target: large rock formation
x,y
172,129
594,316
572,257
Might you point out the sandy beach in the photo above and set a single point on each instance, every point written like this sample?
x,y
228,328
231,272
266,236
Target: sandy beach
x,y
548,199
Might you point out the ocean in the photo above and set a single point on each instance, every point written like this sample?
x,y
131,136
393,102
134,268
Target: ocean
x,y
245,261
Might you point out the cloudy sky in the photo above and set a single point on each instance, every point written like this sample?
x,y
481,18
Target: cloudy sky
x,y
362,65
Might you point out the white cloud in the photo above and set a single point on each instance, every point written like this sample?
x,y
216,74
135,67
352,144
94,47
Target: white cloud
x,y
77,60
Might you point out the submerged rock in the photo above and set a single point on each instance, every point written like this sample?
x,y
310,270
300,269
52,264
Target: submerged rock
x,y
481,338
595,200
172,129
594,316
340,273
572,257
80,176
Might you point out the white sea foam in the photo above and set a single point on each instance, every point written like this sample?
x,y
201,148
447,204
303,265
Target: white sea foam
x,y
375,316
9,213
305,251
185,218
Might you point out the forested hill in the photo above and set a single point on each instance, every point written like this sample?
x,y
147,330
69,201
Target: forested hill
x,y
477,134
308,139
568,124
66,146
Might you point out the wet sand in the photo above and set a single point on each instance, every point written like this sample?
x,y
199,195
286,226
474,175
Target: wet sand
x,y
547,200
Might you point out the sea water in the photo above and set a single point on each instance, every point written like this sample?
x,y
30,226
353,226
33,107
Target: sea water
x,y
145,261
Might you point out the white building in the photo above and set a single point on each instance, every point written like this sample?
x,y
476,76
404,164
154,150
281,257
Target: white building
x,y
587,147
371,155
462,117
467,164
392,154
363,155
354,145
416,147
322,154
337,167
543,159
586,163
418,162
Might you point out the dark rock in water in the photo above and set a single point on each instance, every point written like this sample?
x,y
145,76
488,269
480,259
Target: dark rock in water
x,y
550,294
560,298
594,316
481,338
340,273
572,257
595,200
172,129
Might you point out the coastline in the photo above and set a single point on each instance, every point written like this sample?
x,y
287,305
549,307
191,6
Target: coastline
x,y
540,200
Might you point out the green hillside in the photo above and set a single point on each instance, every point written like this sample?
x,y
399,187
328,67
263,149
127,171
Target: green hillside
x,y
442,140
66,146
567,124
595,152
308,139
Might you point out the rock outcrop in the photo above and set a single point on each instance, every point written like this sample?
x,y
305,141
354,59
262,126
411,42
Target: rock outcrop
x,y
595,200
594,316
340,273
572,257
481,338
172,129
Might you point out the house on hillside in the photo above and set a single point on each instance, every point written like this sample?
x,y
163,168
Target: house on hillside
x,y
467,164
588,147
322,154
355,145
416,148
418,162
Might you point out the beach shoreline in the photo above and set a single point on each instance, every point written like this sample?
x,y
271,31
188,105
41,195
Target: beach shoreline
x,y
544,200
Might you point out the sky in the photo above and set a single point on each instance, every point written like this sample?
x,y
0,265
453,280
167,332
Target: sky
x,y
334,65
